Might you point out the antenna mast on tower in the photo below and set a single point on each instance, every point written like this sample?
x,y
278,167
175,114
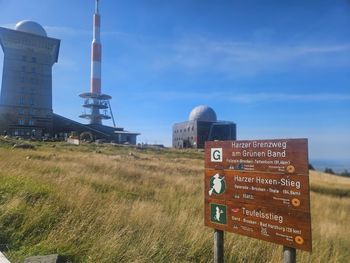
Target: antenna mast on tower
x,y
94,100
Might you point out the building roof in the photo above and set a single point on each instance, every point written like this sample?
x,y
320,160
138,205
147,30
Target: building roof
x,y
30,27
203,113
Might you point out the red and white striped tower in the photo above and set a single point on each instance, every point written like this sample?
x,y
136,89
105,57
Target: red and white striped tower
x,y
96,52
95,100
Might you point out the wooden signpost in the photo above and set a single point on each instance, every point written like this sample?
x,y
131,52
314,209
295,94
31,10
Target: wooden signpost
x,y
260,189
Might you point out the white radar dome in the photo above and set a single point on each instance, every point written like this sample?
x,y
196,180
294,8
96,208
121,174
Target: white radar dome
x,y
30,27
203,113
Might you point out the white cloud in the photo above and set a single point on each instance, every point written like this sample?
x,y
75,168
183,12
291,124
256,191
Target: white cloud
x,y
78,32
237,58
67,64
255,58
66,31
246,98
10,26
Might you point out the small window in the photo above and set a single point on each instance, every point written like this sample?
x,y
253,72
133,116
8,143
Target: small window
x,y
31,122
21,111
21,100
21,122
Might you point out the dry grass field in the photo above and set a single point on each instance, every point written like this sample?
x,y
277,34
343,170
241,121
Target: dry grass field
x,y
99,203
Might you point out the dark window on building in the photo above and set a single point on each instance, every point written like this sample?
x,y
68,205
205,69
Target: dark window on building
x,y
31,122
21,122
222,132
21,100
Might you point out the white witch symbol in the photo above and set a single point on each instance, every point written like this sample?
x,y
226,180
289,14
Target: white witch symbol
x,y
216,184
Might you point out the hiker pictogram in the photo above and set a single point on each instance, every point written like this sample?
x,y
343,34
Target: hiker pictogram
x,y
218,213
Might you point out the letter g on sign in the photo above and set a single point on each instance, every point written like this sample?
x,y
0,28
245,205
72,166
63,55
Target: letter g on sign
x,y
216,154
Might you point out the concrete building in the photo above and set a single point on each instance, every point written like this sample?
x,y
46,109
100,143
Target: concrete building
x,y
202,126
26,90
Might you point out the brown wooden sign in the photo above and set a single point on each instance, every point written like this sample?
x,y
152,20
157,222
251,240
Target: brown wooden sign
x,y
266,223
273,156
280,190
268,199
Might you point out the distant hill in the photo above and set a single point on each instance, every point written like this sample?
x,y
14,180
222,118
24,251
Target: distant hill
x,y
337,166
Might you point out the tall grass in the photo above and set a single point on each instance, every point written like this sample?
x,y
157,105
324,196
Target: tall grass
x,y
104,204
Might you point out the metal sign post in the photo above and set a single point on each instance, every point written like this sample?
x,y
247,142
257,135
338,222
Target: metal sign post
x,y
218,246
289,254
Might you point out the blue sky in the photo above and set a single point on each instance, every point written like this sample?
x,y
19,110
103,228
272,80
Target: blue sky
x,y
279,69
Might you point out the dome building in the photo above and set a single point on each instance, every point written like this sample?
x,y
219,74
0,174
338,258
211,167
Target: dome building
x,y
202,125
30,27
26,88
203,113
